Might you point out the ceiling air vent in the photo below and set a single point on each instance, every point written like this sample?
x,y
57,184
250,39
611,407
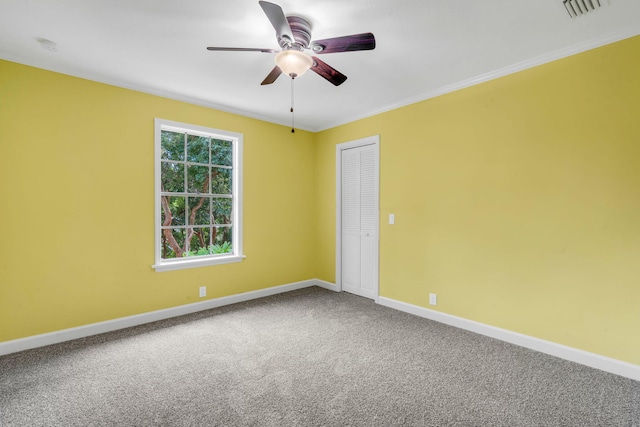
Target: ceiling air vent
x,y
576,8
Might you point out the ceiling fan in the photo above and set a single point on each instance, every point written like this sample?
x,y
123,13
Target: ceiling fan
x,y
294,37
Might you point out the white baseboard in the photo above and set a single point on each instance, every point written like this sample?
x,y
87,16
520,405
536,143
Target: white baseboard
x,y
42,340
327,285
592,360
586,358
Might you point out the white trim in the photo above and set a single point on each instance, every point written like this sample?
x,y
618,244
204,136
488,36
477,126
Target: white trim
x,y
370,140
338,218
109,80
326,285
582,357
622,34
201,261
617,36
193,262
42,340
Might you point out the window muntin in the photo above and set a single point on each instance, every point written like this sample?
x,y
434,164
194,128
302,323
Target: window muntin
x,y
198,196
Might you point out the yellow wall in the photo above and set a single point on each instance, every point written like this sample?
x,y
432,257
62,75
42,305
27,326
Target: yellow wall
x,y
76,223
517,201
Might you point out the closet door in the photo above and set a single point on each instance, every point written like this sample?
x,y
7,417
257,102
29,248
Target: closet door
x,y
359,219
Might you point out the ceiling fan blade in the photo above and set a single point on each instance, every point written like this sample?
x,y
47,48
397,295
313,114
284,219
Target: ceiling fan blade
x,y
273,75
278,20
364,41
328,72
241,49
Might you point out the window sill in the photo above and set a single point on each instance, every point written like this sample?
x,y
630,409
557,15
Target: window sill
x,y
193,263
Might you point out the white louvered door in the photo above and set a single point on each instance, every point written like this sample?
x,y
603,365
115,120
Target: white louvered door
x,y
359,219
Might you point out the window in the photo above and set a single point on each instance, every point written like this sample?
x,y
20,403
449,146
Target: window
x,y
198,180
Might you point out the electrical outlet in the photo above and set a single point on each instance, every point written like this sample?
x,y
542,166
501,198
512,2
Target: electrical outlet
x,y
203,291
433,299
392,219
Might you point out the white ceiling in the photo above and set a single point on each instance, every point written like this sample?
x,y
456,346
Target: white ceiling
x,y
424,48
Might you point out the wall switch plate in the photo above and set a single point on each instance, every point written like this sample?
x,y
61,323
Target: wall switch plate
x,y
433,299
203,291
392,219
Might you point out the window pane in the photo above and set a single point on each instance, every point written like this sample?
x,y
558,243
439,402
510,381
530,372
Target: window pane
x,y
199,244
172,177
199,211
198,149
221,152
172,145
221,181
221,211
221,238
173,210
197,181
172,243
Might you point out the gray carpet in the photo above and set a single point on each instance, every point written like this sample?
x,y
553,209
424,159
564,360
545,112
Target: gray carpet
x,y
306,358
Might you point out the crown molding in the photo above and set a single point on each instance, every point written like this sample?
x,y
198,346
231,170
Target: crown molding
x,y
500,72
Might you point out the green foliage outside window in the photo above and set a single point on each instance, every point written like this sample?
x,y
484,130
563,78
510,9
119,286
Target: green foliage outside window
x,y
197,195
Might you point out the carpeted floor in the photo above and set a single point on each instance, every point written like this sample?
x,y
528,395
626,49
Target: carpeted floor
x,y
306,358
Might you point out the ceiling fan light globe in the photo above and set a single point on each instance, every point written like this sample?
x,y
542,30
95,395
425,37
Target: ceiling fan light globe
x,y
293,62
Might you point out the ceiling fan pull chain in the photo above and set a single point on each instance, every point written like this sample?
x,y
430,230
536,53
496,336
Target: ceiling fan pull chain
x,y
292,118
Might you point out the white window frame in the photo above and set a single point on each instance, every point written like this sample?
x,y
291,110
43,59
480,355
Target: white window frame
x,y
203,260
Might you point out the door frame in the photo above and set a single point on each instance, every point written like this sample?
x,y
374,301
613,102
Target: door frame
x,y
370,140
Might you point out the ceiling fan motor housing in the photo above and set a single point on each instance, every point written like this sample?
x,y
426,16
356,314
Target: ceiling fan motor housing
x,y
301,30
